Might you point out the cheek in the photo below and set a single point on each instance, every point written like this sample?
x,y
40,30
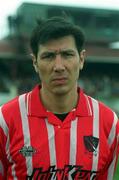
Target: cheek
x,y
43,70
76,67
76,70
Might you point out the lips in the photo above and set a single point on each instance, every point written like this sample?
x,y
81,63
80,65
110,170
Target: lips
x,y
59,80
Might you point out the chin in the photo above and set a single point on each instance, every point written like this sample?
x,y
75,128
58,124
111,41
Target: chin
x,y
60,91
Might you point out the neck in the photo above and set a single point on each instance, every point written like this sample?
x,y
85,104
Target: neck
x,y
59,103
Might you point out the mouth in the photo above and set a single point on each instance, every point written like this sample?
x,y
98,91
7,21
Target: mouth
x,y
59,80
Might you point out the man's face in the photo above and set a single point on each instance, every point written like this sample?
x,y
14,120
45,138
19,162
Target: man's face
x,y
58,64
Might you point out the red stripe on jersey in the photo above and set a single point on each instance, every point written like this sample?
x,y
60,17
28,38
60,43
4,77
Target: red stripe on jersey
x,y
108,143
12,117
85,128
62,143
39,141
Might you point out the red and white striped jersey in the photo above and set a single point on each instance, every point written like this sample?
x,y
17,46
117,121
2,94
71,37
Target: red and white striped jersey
x,y
35,144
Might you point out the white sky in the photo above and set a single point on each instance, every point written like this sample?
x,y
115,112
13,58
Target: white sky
x,y
8,7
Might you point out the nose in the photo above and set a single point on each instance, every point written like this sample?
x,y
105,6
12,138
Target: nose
x,y
58,63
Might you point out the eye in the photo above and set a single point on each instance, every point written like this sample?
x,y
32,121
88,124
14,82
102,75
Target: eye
x,y
47,56
67,54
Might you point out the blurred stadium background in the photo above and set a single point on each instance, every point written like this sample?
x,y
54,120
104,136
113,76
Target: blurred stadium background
x,y
100,77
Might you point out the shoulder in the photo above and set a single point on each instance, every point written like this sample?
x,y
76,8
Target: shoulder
x,y
11,110
107,117
102,108
11,105
97,108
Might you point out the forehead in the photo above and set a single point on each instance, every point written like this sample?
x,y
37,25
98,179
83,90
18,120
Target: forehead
x,y
66,42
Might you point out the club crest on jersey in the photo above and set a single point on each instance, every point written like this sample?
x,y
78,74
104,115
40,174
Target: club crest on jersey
x,y
27,151
91,144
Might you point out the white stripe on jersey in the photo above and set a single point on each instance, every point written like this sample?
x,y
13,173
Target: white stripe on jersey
x,y
88,105
110,141
73,145
26,131
111,169
73,141
6,131
51,140
28,106
112,131
95,132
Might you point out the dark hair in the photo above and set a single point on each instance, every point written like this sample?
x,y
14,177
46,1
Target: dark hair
x,y
55,28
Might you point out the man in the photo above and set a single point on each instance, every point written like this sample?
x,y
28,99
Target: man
x,y
56,131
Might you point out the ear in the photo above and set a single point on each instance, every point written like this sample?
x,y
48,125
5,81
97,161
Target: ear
x,y
35,65
82,58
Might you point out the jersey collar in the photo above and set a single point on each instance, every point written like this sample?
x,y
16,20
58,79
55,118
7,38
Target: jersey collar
x,y
36,108
83,106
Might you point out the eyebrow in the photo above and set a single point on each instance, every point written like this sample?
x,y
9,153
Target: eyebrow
x,y
57,52
46,53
